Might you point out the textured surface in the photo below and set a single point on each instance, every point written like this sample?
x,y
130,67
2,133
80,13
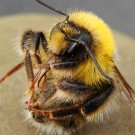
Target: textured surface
x,y
12,90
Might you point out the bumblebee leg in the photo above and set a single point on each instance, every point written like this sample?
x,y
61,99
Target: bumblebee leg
x,y
30,46
42,100
57,114
30,74
67,64
29,68
94,103
31,42
86,108
45,96
40,36
89,106
12,71
31,89
61,112
44,77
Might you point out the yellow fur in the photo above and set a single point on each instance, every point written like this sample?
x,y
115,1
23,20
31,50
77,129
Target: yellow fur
x,y
103,46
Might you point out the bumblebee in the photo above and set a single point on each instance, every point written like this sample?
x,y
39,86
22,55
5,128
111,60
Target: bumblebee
x,y
72,73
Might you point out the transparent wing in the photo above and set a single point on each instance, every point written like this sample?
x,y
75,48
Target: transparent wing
x,y
125,87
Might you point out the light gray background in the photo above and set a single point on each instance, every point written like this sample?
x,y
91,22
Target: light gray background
x,y
119,14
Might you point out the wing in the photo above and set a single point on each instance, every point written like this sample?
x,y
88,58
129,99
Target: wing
x,y
125,87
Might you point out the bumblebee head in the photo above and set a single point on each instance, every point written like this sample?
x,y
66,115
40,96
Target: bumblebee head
x,y
67,41
83,38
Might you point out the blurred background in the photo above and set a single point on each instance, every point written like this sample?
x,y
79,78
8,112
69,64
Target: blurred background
x,y
119,14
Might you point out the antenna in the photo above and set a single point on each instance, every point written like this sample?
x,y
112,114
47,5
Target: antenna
x,y
54,9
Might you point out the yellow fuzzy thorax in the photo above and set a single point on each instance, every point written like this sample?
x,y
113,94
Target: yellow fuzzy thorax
x,y
103,44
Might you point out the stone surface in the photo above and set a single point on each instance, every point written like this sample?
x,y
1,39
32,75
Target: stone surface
x,y
12,90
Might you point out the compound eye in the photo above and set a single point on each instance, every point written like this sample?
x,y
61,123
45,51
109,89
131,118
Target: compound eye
x,y
74,48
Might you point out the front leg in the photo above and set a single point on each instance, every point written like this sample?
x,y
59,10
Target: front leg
x,y
30,46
